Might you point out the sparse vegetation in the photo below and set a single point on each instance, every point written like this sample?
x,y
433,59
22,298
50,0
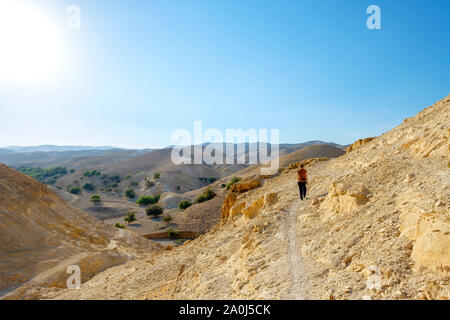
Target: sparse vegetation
x,y
172,233
74,190
205,196
146,200
233,181
95,198
149,183
91,173
88,186
157,175
184,204
130,193
133,184
167,218
49,175
115,178
130,217
154,211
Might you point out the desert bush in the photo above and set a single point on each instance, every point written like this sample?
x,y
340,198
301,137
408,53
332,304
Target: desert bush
x,y
96,198
120,226
115,178
184,204
49,175
130,193
74,190
205,196
233,181
130,217
133,184
167,218
88,186
172,233
154,211
149,183
91,173
145,200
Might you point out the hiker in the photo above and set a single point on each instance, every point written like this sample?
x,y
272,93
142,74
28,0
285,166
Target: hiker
x,y
302,177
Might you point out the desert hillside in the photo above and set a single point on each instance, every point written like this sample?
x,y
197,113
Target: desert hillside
x,y
376,225
41,235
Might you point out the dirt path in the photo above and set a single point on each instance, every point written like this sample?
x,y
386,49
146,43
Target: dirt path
x,y
298,279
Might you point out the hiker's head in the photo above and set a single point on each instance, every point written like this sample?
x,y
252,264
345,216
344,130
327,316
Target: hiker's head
x,y
301,166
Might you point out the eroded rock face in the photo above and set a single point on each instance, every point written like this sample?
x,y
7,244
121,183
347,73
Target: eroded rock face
x,y
245,185
358,143
343,198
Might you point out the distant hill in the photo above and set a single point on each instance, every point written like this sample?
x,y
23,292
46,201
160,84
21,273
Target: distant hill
x,y
50,148
41,235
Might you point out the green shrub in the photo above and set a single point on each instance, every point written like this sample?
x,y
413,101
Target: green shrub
x,y
49,175
212,179
133,184
130,193
128,176
167,218
130,217
172,233
74,190
114,185
154,211
205,196
72,170
184,204
88,186
145,200
157,175
120,226
149,183
178,188
96,198
233,181
223,185
115,178
91,173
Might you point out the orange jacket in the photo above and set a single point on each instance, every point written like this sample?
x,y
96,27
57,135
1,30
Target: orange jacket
x,y
302,175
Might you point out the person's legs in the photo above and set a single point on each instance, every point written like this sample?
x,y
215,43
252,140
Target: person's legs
x,y
300,189
304,190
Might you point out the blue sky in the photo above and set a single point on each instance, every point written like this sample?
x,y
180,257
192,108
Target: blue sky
x,y
138,70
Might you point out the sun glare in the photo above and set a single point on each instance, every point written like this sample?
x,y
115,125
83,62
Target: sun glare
x,y
30,47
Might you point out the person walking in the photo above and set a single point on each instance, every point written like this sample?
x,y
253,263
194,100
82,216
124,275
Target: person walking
x,y
302,177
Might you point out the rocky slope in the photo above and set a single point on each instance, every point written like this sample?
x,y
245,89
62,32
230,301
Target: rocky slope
x,y
41,235
375,226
